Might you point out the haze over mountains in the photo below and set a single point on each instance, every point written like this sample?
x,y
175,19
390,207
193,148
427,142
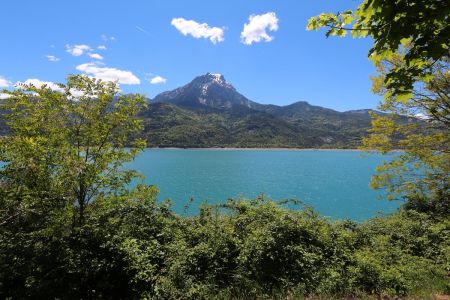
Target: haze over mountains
x,y
209,112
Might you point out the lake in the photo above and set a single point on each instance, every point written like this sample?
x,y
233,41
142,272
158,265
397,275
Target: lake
x,y
334,182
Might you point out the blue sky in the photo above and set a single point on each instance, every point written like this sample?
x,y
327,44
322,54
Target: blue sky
x,y
143,41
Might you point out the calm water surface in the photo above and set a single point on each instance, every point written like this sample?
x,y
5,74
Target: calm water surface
x,y
335,183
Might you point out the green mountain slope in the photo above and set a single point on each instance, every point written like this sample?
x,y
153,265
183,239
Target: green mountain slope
x,y
209,112
169,125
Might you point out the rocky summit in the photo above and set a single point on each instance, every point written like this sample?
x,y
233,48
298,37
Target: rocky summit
x,y
209,90
210,112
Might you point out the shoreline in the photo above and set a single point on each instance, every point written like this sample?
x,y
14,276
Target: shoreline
x,y
262,149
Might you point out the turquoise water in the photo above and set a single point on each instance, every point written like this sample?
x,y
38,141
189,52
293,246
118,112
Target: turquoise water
x,y
335,183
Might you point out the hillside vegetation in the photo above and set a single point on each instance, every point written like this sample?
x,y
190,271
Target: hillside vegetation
x,y
209,112
168,125
73,227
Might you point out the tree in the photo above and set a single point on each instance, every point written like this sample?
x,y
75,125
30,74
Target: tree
x,y
391,24
67,144
411,54
421,173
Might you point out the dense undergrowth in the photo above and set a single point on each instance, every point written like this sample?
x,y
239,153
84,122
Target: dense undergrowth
x,y
134,247
71,227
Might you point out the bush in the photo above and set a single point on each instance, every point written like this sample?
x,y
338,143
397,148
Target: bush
x,y
133,247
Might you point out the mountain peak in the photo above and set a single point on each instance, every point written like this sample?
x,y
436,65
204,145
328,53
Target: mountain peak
x,y
215,76
210,78
208,90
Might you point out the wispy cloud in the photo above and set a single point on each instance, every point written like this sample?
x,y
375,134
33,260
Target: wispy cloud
x,y
78,50
39,83
107,38
95,56
255,30
4,83
157,80
52,58
198,30
143,31
108,74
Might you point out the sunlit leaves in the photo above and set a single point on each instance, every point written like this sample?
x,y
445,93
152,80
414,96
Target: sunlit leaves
x,y
335,23
71,143
410,51
424,24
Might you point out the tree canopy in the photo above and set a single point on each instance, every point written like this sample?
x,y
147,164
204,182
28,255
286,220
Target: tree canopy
x,y
71,227
68,145
423,24
411,53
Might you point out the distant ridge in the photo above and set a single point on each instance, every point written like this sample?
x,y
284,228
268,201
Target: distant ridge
x,y
210,112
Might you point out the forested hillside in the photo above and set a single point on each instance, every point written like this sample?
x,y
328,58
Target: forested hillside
x,y
209,112
75,223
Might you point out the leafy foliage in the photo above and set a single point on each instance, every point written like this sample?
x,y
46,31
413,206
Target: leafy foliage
x,y
422,172
209,112
121,243
411,54
132,247
67,146
393,24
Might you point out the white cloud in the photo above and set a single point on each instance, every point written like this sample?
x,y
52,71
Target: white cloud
x,y
39,83
95,55
107,38
108,74
4,83
197,30
77,50
158,79
101,47
255,30
4,96
422,116
49,84
76,94
52,58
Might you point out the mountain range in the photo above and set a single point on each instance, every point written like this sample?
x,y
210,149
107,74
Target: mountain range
x,y
210,112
